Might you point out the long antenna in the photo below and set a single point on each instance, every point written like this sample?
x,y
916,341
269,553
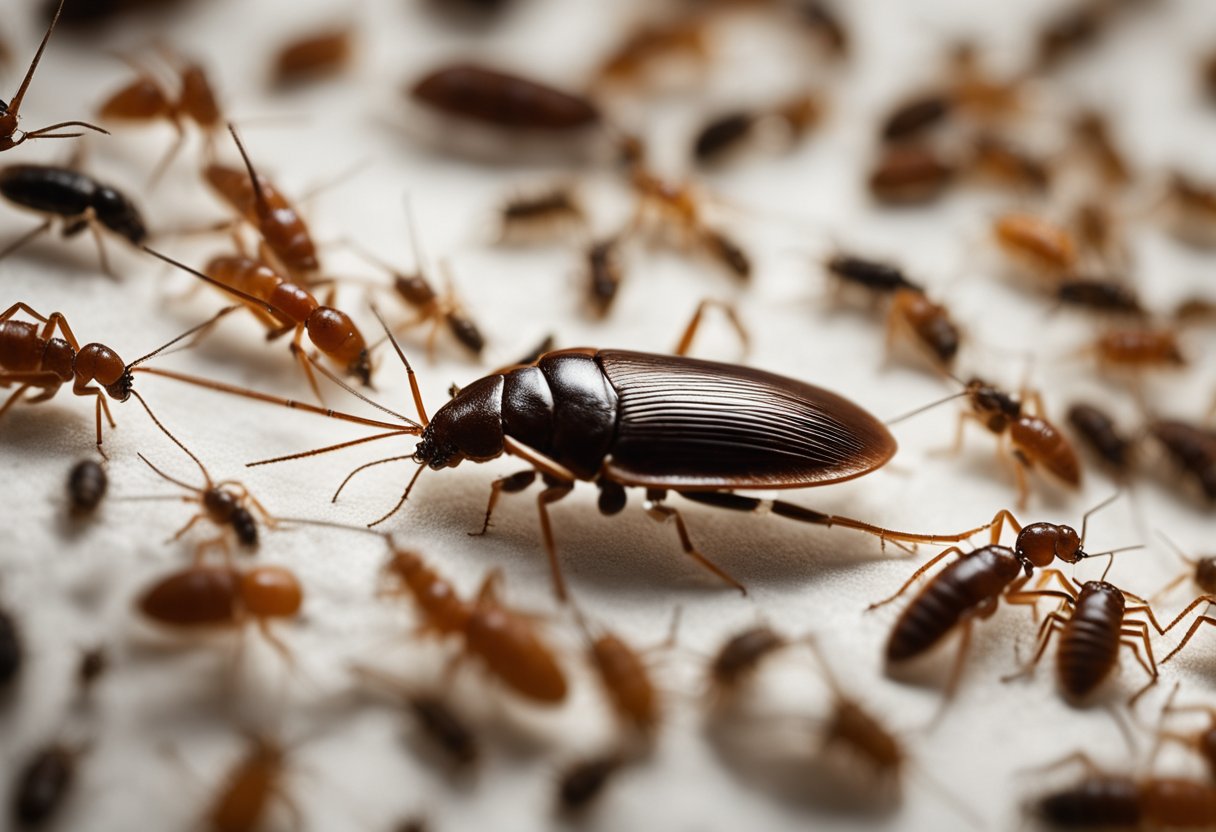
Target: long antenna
x,y
1098,507
210,321
245,296
925,407
176,441
417,394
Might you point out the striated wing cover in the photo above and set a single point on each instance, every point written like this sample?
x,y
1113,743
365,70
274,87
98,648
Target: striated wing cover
x,y
688,424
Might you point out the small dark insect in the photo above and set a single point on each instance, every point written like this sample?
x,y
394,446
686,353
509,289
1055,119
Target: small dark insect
x,y
87,483
824,24
12,654
740,655
224,507
1202,571
442,725
1102,436
722,134
927,324
85,16
1119,802
1138,349
725,134
145,101
94,662
604,274
916,116
1192,448
910,174
1071,31
314,57
872,275
502,100
541,216
251,787
584,781
10,134
31,356
199,597
1099,295
1039,248
996,161
43,784
78,200
1091,634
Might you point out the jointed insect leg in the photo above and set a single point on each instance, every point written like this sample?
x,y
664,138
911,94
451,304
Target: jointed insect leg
x,y
662,513
1203,619
690,331
25,238
13,399
953,550
1051,625
510,484
551,495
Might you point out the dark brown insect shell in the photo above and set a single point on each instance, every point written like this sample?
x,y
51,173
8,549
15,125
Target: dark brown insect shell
x,y
911,174
503,100
87,483
1102,436
44,783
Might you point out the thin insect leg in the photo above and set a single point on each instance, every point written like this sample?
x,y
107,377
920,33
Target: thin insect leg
x,y
510,484
956,672
662,513
405,495
189,525
953,550
102,258
275,642
1202,599
13,399
998,524
1148,611
1132,638
25,238
1171,585
1051,625
952,450
1203,619
22,307
690,331
364,467
302,358
551,495
170,155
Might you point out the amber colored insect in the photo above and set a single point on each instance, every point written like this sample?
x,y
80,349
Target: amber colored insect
x,y
43,784
604,274
286,242
1096,626
544,215
505,641
741,655
997,161
31,355
313,57
647,48
585,780
1099,295
10,134
200,597
503,100
1071,31
910,174
76,199
1092,132
1101,435
442,725
284,306
87,483
1202,741
251,788
626,679
12,653
146,100
1138,349
926,323
676,207
1190,211
1102,800
1042,249
224,506
1192,448
1201,571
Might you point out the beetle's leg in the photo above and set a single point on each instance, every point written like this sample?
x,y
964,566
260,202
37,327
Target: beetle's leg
x,y
551,495
953,550
511,484
13,399
661,512
102,258
1051,625
25,238
302,357
690,331
964,416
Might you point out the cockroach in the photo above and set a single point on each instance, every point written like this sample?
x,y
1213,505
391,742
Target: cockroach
x,y
913,118
503,101
316,56
540,216
44,783
740,655
285,237
284,306
1099,295
145,100
976,91
1201,571
32,356
724,134
995,160
200,597
416,291
1092,133
251,788
1071,31
926,323
442,725
910,174
505,641
644,50
584,781
12,653
223,503
1138,349
604,274
821,21
626,679
971,587
1101,435
10,134
1190,211
76,199
87,483
1095,628
1192,448
1102,800
1040,248
875,276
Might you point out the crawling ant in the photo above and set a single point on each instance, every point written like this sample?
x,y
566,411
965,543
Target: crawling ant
x,y
585,780
224,507
1100,433
1138,349
504,640
1091,634
199,597
1040,248
910,174
539,216
316,56
1091,131
1099,295
824,24
251,787
1192,448
31,356
10,134
874,276
416,291
284,306
739,657
1102,800
604,273
995,160
145,101
1071,31
285,237
723,135
912,118
44,783
927,324
443,726
651,46
77,199
87,484
503,100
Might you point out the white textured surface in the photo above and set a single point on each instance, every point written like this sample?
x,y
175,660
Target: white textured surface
x,y
71,585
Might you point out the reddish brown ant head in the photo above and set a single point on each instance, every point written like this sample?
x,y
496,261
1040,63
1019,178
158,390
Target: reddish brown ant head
x,y
1041,543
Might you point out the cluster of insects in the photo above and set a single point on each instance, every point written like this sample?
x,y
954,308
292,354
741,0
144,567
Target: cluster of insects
x,y
363,598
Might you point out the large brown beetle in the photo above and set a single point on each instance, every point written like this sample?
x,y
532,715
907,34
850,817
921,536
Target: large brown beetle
x,y
702,429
